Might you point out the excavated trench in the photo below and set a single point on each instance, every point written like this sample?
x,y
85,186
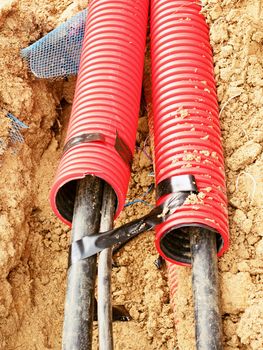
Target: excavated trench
x,y
33,248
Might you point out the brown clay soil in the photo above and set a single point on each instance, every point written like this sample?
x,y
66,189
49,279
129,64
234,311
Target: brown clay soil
x,y
33,248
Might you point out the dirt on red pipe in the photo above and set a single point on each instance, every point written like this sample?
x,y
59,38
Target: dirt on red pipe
x,y
33,243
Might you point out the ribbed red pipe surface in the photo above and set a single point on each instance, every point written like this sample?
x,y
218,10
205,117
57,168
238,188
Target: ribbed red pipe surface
x,y
186,123
106,101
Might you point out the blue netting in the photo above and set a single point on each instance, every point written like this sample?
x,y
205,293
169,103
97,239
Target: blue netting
x,y
15,127
58,53
14,135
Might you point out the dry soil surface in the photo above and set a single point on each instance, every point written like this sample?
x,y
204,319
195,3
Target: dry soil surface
x,y
34,244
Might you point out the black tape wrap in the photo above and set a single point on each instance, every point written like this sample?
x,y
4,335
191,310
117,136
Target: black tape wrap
x,y
91,245
120,145
84,138
175,243
65,197
182,183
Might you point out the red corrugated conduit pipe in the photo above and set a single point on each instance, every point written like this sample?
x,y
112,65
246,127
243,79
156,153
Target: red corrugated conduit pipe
x,y
186,124
187,142
99,146
102,130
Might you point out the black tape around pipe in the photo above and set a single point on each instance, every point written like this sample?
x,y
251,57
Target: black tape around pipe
x,y
120,145
93,244
181,183
84,138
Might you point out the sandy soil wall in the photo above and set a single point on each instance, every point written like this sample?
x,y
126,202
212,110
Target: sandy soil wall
x,y
33,243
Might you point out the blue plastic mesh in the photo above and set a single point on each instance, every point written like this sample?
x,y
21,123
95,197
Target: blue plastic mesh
x,y
15,127
58,53
14,135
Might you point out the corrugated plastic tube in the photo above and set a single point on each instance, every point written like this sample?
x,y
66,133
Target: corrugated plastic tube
x,y
186,125
104,118
187,142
